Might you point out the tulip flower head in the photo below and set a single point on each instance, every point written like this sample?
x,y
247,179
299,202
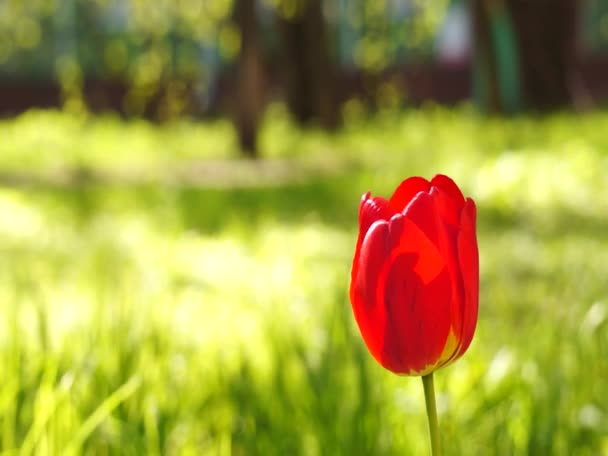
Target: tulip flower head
x,y
415,275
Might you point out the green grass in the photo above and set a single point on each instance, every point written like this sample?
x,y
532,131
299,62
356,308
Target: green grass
x,y
143,313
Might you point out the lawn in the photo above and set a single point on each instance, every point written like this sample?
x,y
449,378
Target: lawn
x,y
158,295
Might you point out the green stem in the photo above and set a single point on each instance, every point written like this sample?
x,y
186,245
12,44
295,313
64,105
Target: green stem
x,y
431,412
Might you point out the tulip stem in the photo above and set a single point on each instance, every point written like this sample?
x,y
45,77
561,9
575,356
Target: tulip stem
x,y
431,412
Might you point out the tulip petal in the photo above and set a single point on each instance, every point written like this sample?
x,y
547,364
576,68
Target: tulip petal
x,y
371,209
370,313
449,212
429,212
406,191
448,208
407,237
415,276
414,288
446,184
469,264
418,317
423,212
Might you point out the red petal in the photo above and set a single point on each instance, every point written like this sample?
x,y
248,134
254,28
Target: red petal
x,y
416,278
418,320
469,265
370,314
428,212
425,212
371,209
447,207
449,186
406,191
414,288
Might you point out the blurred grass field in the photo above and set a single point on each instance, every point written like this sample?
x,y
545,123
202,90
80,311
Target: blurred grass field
x,y
160,296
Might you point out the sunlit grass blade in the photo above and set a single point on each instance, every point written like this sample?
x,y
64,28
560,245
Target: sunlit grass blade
x,y
101,413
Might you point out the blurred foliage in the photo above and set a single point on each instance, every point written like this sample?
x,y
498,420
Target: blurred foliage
x,y
156,316
172,53
374,35
595,29
148,44
140,43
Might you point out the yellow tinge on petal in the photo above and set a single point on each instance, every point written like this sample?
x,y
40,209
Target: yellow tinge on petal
x,y
451,345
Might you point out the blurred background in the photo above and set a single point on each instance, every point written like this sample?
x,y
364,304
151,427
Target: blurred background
x,y
232,58
179,184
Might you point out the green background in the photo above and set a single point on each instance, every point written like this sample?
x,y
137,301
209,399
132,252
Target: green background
x,y
153,302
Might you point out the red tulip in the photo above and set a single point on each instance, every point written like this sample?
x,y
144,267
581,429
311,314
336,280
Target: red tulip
x,y
415,278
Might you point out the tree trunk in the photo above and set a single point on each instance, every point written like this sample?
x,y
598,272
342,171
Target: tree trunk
x,y
544,60
487,91
249,78
309,74
547,46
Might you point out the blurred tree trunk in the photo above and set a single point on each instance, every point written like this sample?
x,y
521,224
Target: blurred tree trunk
x,y
486,72
544,61
547,46
249,77
309,73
